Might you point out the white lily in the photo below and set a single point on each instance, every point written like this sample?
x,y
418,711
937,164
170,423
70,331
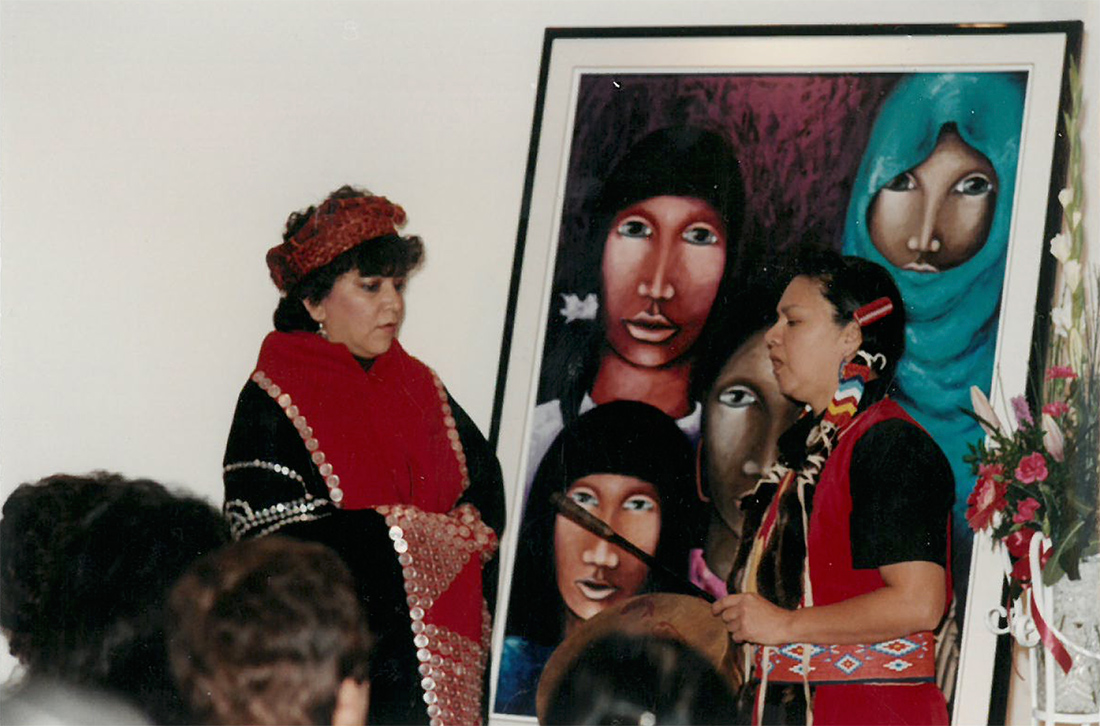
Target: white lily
x,y
1061,247
1053,440
578,309
1065,197
1062,318
990,423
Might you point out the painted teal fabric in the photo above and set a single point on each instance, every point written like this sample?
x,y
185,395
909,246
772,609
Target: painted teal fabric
x,y
953,314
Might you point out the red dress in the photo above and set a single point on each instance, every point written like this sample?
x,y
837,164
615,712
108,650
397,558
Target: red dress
x,y
833,578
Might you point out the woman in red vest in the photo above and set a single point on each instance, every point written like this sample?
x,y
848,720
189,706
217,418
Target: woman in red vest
x,y
342,437
840,580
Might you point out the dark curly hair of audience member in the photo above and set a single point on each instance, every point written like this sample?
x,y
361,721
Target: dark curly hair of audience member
x,y
621,679
87,565
265,631
390,255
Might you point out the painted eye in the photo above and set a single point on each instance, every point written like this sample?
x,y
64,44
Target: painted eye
x,y
584,498
738,397
903,182
700,234
634,228
974,185
639,503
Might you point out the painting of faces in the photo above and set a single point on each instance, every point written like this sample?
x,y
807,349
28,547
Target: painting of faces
x,y
657,407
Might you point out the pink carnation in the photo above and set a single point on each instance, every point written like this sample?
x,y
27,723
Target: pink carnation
x,y
1056,409
1025,511
1032,468
987,499
1060,372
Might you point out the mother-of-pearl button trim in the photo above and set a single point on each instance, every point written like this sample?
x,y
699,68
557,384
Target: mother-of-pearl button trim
x,y
452,431
332,480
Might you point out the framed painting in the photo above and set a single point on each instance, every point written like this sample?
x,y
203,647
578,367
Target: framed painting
x,y
672,172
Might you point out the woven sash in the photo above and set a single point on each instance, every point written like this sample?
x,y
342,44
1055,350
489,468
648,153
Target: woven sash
x,y
911,659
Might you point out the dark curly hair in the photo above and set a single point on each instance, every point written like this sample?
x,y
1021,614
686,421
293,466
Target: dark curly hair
x,y
264,631
390,255
87,565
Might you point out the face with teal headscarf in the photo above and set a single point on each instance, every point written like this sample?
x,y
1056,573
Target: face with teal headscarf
x,y
937,215
932,202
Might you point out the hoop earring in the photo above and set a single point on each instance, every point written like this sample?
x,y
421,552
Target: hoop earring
x,y
876,362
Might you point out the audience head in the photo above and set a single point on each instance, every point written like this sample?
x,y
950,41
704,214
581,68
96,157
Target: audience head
x,y
87,565
624,679
270,631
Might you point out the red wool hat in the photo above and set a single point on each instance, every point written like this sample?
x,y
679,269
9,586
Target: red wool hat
x,y
334,228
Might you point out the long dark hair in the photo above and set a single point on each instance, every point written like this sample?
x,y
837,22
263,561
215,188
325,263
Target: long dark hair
x,y
622,437
682,161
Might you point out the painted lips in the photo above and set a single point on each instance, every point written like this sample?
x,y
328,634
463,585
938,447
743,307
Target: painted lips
x,y
920,267
596,589
649,328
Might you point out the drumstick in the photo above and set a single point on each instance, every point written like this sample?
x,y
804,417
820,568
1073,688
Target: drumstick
x,y
581,516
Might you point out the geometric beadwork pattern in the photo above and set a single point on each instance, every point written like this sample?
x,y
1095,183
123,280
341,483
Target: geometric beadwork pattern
x,y
897,647
909,660
795,651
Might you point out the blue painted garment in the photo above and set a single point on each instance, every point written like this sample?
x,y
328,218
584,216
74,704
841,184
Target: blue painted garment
x,y
521,664
952,332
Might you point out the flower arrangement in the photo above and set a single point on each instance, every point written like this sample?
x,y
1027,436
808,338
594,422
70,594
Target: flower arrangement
x,y
1043,475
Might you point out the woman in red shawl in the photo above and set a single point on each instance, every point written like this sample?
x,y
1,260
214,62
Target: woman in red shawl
x,y
342,437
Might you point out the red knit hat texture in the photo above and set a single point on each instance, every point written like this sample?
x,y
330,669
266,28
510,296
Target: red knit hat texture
x,y
335,227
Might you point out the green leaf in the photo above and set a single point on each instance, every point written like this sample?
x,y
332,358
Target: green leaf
x,y
1065,557
1053,572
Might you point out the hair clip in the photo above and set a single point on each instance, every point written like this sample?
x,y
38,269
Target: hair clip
x,y
874,310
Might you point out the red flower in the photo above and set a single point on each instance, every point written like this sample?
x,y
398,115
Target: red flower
x,y
1032,468
1025,511
1060,372
1021,570
1056,409
989,472
987,499
1019,541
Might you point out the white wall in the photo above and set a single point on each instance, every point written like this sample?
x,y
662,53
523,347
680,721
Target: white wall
x,y
150,151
